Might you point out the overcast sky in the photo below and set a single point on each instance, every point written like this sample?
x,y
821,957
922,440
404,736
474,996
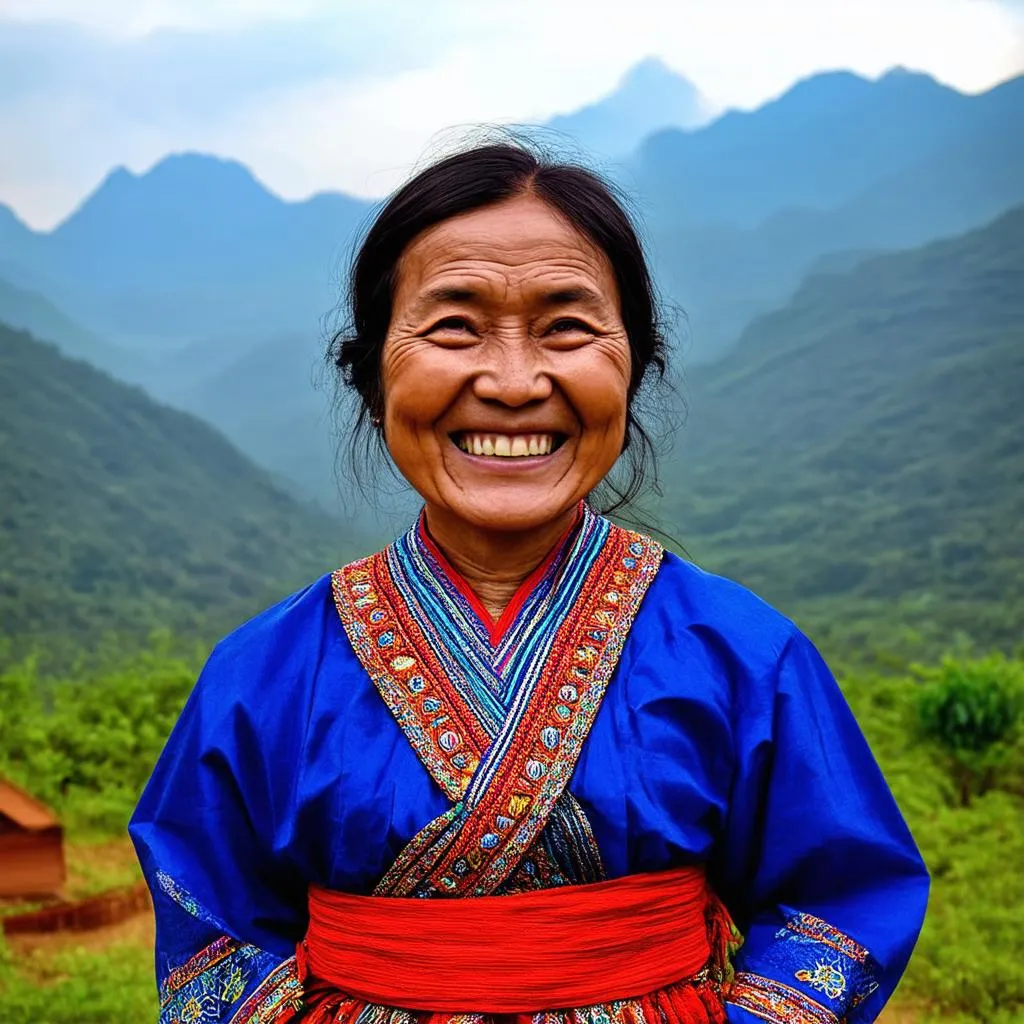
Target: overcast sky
x,y
348,94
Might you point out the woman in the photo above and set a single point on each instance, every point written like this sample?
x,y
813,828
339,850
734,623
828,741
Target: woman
x,y
588,757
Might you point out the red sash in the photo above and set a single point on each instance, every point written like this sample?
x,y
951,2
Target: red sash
x,y
568,947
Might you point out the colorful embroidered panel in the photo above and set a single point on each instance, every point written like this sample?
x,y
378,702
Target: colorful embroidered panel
x,y
775,1002
504,762
210,985
832,974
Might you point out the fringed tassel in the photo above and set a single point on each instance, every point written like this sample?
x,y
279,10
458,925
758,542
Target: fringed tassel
x,y
724,938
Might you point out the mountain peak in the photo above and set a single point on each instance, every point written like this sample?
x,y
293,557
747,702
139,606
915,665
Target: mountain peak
x,y
186,187
650,96
186,170
649,70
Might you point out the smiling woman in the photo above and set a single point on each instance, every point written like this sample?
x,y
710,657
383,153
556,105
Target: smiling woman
x,y
521,762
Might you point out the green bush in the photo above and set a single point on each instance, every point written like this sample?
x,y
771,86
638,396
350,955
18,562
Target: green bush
x,y
87,745
972,709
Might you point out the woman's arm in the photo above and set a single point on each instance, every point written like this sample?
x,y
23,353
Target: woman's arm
x,y
229,908
817,863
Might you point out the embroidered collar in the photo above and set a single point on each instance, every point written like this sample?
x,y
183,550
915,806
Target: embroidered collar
x,y
488,675
532,590
498,728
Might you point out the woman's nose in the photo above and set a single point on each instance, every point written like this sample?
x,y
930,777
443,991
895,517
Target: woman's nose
x,y
514,374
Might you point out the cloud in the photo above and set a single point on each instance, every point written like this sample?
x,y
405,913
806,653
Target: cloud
x,y
180,73
138,17
317,94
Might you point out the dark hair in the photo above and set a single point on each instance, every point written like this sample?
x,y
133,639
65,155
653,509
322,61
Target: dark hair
x,y
479,177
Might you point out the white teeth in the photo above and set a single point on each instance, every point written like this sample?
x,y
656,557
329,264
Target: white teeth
x,y
505,445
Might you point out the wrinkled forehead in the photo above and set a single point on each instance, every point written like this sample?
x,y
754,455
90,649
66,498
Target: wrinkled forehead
x,y
517,246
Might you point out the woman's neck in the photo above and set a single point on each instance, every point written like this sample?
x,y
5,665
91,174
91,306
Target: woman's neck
x,y
494,565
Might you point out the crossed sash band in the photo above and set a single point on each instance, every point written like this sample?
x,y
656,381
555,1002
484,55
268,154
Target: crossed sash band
x,y
514,915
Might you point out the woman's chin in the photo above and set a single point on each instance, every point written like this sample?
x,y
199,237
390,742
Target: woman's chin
x,y
510,506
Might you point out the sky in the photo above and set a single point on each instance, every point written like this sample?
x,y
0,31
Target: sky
x,y
350,95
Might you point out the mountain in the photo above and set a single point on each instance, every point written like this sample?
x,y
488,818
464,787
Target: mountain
x,y
32,312
827,139
16,237
286,376
119,513
211,292
859,455
194,247
650,96
724,275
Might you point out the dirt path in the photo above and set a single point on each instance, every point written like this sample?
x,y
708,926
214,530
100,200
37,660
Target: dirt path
x,y
136,931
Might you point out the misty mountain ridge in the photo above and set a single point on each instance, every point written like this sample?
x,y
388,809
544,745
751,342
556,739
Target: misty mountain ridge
x,y
120,513
863,445
195,276
828,138
648,98
244,262
240,258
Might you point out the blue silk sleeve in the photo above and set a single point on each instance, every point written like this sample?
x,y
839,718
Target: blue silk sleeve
x,y
229,906
817,863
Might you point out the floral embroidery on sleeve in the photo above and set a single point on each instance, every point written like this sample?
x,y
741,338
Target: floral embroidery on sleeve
x,y
812,973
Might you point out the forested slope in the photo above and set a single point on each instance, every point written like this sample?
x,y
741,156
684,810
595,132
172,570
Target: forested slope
x,y
865,444
118,514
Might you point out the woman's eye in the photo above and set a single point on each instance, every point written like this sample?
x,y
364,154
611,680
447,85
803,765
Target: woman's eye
x,y
451,323
570,325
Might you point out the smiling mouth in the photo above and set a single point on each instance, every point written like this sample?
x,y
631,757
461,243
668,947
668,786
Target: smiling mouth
x,y
508,446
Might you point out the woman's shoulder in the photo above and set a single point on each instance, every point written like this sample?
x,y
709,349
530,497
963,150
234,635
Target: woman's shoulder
x,y
277,650
718,612
296,615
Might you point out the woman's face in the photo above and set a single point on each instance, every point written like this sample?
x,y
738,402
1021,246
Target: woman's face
x,y
506,367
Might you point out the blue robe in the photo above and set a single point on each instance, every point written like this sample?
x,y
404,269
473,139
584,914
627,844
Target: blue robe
x,y
722,740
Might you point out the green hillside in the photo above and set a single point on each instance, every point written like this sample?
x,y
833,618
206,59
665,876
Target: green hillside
x,y
120,515
30,311
859,457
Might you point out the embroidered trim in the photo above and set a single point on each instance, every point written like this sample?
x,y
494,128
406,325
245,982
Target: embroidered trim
x,y
209,984
204,960
361,592
560,715
277,998
772,1001
826,960
184,899
817,930
505,788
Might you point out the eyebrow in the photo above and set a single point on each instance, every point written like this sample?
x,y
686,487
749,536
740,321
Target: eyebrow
x,y
449,293
577,293
558,297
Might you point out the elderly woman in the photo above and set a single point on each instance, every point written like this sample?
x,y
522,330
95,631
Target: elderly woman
x,y
522,761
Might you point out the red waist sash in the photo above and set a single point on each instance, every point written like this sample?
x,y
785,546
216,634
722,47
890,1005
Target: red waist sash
x,y
568,947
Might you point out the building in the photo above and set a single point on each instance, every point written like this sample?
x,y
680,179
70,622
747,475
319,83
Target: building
x,y
31,846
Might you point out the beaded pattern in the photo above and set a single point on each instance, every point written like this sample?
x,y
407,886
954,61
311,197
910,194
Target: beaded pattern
x,y
772,1001
505,783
